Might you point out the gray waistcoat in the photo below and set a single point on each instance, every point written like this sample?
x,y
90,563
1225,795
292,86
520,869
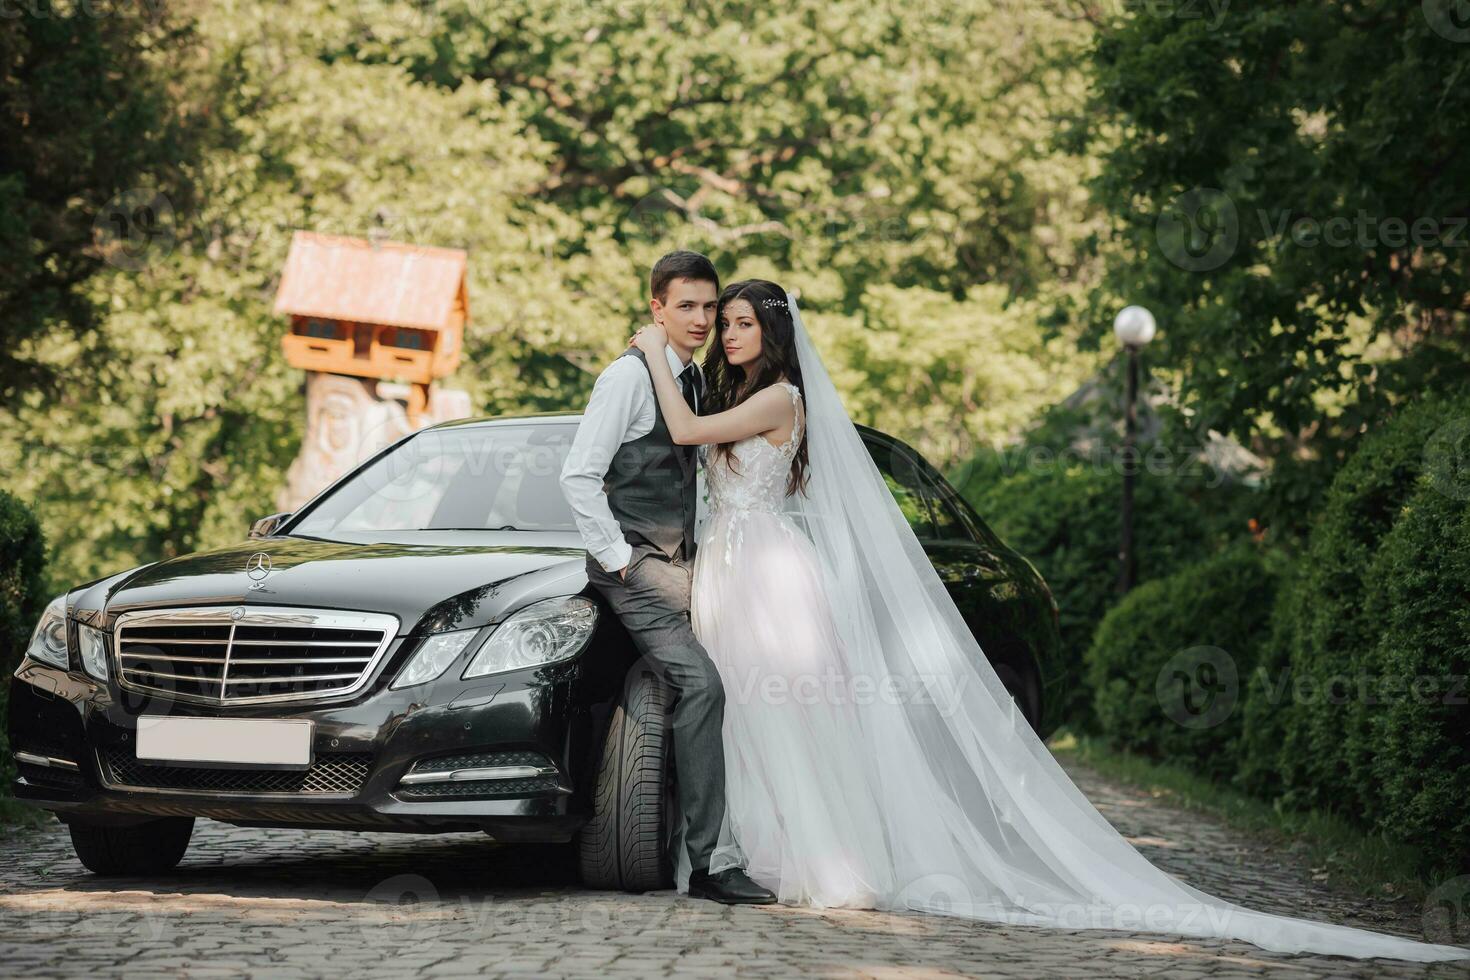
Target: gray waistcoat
x,y
650,486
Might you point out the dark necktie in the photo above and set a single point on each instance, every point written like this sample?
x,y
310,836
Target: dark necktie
x,y
689,383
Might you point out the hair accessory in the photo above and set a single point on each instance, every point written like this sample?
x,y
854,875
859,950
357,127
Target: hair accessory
x,y
773,304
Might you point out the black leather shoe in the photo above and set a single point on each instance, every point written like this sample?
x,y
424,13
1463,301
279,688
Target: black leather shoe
x,y
731,886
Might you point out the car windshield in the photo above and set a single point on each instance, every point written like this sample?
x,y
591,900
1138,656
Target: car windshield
x,y
482,477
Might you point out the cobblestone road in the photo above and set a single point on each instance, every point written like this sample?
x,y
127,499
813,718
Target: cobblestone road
x,y
297,904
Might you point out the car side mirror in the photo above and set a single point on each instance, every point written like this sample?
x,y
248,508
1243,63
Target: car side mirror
x,y
267,526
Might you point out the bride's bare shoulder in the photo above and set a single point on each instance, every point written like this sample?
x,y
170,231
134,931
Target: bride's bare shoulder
x,y
782,391
791,411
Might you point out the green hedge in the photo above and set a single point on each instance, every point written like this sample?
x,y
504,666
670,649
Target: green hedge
x,y
1416,745
22,598
1267,693
1169,663
1311,742
1064,518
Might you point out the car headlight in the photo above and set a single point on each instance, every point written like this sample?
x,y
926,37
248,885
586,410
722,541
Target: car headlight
x,y
92,645
48,639
541,633
435,653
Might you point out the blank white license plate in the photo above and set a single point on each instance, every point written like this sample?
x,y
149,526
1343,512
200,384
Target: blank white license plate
x,y
226,741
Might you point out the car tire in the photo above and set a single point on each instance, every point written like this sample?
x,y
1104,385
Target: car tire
x,y
623,846
145,848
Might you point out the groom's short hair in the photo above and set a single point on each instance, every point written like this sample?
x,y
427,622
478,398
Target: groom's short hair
x,y
682,264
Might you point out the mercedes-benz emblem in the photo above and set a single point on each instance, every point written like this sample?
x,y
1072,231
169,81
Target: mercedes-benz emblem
x,y
237,613
259,566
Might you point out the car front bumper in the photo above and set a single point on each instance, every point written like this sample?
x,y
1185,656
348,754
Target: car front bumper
x,y
73,740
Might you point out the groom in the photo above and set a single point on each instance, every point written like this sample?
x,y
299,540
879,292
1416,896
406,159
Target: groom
x,y
633,493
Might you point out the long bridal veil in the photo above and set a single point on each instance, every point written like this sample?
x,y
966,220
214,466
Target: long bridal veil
x,y
981,821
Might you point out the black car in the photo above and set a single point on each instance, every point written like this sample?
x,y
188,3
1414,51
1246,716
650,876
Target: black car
x,y
417,648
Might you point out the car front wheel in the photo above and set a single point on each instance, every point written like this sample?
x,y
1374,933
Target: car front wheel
x,y
623,845
145,848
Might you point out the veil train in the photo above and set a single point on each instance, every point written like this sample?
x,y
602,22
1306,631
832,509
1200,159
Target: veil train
x,y
981,820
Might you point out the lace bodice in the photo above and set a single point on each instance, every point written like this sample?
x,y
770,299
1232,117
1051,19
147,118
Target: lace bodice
x,y
762,469
756,486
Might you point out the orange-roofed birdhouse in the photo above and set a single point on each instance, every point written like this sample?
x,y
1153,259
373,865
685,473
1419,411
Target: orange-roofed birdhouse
x,y
374,309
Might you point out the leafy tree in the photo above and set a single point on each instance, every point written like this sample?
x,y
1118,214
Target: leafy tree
x,y
1291,195
173,444
894,169
948,375
845,143
92,129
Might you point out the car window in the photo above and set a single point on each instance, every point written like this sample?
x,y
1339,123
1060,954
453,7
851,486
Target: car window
x,y
947,523
957,520
491,476
983,531
901,473
911,502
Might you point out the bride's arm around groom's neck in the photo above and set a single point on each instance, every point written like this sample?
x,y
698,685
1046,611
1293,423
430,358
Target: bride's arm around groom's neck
x,y
766,410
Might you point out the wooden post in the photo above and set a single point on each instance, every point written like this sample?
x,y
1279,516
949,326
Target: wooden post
x,y
418,402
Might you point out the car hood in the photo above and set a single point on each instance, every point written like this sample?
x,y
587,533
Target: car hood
x,y
429,580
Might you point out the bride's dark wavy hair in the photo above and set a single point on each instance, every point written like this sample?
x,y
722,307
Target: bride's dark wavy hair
x,y
728,385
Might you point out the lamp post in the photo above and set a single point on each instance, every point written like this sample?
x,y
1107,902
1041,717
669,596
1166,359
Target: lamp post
x,y
1134,326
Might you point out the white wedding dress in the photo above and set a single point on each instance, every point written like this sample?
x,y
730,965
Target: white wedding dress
x,y
873,758
809,832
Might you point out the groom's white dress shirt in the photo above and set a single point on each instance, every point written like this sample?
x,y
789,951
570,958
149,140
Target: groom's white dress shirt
x,y
620,410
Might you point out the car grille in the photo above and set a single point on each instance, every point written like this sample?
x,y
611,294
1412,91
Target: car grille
x,y
249,654
332,774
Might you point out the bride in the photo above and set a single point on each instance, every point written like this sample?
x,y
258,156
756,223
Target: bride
x,y
873,758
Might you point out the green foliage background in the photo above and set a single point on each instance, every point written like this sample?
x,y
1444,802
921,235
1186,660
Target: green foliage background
x,y
1198,620
1265,170
891,163
1320,753
1417,738
1064,517
22,599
